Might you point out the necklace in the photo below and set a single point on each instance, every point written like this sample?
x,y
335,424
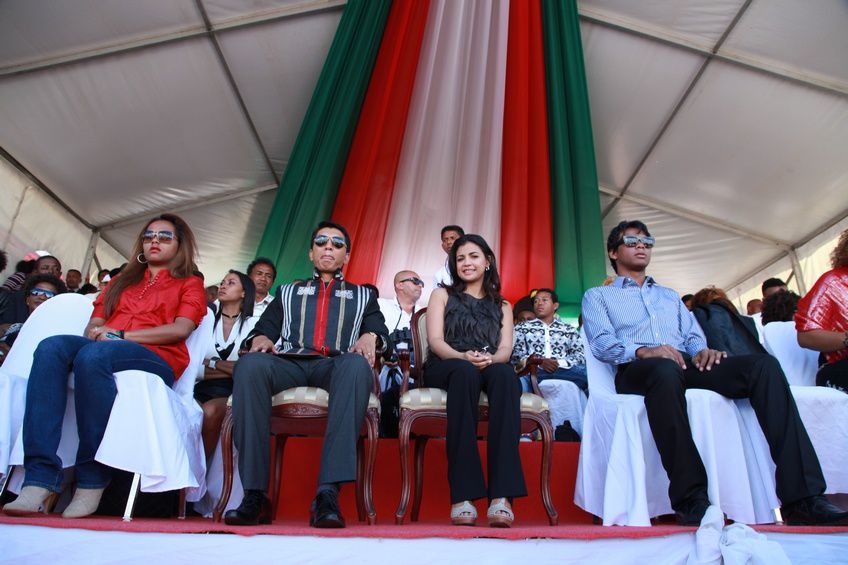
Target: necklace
x,y
233,317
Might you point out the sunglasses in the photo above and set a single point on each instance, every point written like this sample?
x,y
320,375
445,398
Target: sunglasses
x,y
338,241
162,236
42,292
634,240
414,280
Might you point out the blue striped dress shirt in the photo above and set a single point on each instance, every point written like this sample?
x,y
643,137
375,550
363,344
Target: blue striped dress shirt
x,y
623,316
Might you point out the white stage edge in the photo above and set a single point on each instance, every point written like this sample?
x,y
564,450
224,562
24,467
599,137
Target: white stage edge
x,y
35,544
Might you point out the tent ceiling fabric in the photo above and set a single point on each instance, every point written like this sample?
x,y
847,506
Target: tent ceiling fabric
x,y
127,109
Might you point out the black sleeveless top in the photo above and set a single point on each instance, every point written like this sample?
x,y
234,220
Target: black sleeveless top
x,y
472,323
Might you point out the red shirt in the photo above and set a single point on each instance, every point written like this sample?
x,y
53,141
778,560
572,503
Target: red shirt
x,y
150,304
825,307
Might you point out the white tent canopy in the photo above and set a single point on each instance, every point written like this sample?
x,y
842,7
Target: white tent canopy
x,y
721,123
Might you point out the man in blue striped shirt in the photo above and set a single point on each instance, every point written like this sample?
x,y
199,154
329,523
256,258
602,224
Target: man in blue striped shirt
x,y
660,351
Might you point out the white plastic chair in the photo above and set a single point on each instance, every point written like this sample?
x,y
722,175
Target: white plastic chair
x,y
823,410
620,477
166,451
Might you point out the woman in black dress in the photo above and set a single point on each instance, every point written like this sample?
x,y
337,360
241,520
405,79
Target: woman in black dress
x,y
469,329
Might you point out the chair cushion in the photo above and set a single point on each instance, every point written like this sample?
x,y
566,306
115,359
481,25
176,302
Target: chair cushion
x,y
437,399
308,395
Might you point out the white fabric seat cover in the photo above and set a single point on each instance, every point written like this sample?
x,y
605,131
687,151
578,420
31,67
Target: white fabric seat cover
x,y
620,477
153,430
823,410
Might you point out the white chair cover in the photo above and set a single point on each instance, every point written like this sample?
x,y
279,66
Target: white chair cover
x,y
565,401
824,411
163,423
63,314
620,477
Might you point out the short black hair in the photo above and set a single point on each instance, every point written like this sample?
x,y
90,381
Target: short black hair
x,y
73,271
780,307
552,292
771,283
44,278
264,261
617,233
457,229
686,297
25,267
4,260
334,225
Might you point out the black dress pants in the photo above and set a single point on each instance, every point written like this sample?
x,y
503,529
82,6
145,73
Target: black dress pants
x,y
758,377
834,375
465,469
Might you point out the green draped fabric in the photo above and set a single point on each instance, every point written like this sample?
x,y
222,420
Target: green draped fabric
x,y
578,236
311,180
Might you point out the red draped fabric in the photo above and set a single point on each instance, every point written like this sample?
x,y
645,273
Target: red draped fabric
x,y
365,194
526,239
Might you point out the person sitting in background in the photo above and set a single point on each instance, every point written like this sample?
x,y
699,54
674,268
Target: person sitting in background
x,y
469,330
449,235
13,308
523,310
780,307
234,320
37,290
212,296
754,306
88,289
556,342
263,273
822,319
103,278
140,322
17,279
725,329
73,280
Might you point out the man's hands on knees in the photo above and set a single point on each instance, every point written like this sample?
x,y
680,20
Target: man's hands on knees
x,y
664,352
550,365
706,357
366,346
261,344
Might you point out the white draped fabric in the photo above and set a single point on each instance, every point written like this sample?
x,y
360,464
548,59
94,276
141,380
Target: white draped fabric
x,y
620,477
451,156
824,411
565,401
153,430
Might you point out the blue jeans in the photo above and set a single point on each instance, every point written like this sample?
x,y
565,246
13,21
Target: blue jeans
x,y
576,374
93,364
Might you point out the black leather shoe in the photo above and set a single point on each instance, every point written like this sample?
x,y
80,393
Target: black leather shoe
x,y
812,511
692,511
325,511
254,509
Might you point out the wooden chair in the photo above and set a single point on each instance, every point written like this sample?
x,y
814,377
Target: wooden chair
x,y
302,411
423,413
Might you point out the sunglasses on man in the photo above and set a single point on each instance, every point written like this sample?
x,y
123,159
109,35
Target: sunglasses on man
x,y
414,280
321,241
163,236
634,240
42,292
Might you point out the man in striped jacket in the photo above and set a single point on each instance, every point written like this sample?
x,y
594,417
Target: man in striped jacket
x,y
323,332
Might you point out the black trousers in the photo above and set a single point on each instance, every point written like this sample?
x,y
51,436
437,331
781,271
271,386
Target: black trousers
x,y
758,377
834,375
465,469
259,376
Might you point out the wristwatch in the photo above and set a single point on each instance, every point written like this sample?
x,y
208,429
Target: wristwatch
x,y
212,363
378,341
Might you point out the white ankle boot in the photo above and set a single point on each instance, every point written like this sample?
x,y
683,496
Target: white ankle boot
x,y
84,503
32,500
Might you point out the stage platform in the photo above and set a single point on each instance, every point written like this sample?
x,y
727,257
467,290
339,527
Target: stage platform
x,y
105,539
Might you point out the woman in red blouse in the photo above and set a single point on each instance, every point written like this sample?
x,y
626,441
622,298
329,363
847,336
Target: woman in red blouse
x,y
822,319
140,321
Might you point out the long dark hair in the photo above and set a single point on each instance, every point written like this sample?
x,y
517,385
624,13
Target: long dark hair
x,y
491,279
183,264
247,302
